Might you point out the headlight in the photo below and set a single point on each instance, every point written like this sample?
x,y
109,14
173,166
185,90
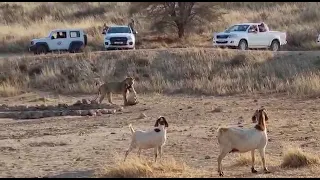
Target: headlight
x,y
129,38
232,36
107,38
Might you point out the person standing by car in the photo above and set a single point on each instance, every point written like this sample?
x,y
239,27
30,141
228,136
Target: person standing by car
x,y
105,28
131,24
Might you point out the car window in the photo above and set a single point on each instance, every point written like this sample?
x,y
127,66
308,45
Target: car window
x,y
253,28
238,28
118,30
74,34
59,35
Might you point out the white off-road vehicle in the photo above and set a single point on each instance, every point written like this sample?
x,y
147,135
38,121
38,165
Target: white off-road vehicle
x,y
318,39
248,36
72,40
119,37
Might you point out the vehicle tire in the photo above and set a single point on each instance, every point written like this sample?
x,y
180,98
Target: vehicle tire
x,y
41,50
275,45
243,45
75,48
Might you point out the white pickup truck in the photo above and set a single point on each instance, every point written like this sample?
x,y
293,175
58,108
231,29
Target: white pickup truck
x,y
249,36
119,37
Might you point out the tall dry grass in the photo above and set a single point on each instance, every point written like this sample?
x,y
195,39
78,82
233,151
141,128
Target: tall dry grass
x,y
189,71
142,168
296,158
23,21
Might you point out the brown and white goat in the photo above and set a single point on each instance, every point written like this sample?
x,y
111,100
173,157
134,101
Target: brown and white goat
x,y
154,138
236,139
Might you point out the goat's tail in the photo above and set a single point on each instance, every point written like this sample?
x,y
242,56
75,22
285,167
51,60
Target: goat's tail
x,y
131,128
220,131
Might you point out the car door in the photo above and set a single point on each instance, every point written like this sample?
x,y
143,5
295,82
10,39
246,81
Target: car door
x,y
58,41
253,39
263,38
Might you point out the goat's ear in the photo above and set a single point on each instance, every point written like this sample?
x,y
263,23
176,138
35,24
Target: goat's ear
x,y
157,123
253,117
265,115
165,122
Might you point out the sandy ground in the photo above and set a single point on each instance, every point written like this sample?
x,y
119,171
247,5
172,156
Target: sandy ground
x,y
75,147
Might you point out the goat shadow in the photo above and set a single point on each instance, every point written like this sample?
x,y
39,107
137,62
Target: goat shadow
x,y
74,174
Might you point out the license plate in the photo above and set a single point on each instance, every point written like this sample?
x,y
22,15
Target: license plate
x,y
118,42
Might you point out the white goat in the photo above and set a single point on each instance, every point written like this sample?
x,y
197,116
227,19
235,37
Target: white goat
x,y
235,139
154,138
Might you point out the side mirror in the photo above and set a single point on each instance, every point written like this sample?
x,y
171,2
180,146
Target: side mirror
x,y
135,32
103,32
52,37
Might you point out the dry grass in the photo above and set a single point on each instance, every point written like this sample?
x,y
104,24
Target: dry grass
x,y
141,168
22,21
188,71
7,90
244,159
295,158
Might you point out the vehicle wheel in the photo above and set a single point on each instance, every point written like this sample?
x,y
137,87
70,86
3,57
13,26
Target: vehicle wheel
x,y
41,50
75,49
243,45
275,45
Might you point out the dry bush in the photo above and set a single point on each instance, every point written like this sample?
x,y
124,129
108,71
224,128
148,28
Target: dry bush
x,y
7,90
141,168
295,158
188,71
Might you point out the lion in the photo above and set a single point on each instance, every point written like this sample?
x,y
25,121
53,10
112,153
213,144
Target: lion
x,y
117,88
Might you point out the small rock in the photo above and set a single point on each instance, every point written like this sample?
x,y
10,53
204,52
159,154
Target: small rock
x,y
180,109
92,112
84,112
112,133
98,112
217,109
108,111
255,100
207,157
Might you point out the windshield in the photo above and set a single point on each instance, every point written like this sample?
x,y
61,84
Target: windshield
x,y
118,30
238,28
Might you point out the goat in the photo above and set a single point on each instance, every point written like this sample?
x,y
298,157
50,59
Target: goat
x,y
154,138
235,139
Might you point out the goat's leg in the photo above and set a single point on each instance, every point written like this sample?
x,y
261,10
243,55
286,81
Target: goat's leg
x,y
155,154
252,165
262,152
160,152
127,152
223,154
139,153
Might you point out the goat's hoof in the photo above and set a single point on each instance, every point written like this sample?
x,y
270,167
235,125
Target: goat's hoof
x,y
221,173
266,171
253,170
